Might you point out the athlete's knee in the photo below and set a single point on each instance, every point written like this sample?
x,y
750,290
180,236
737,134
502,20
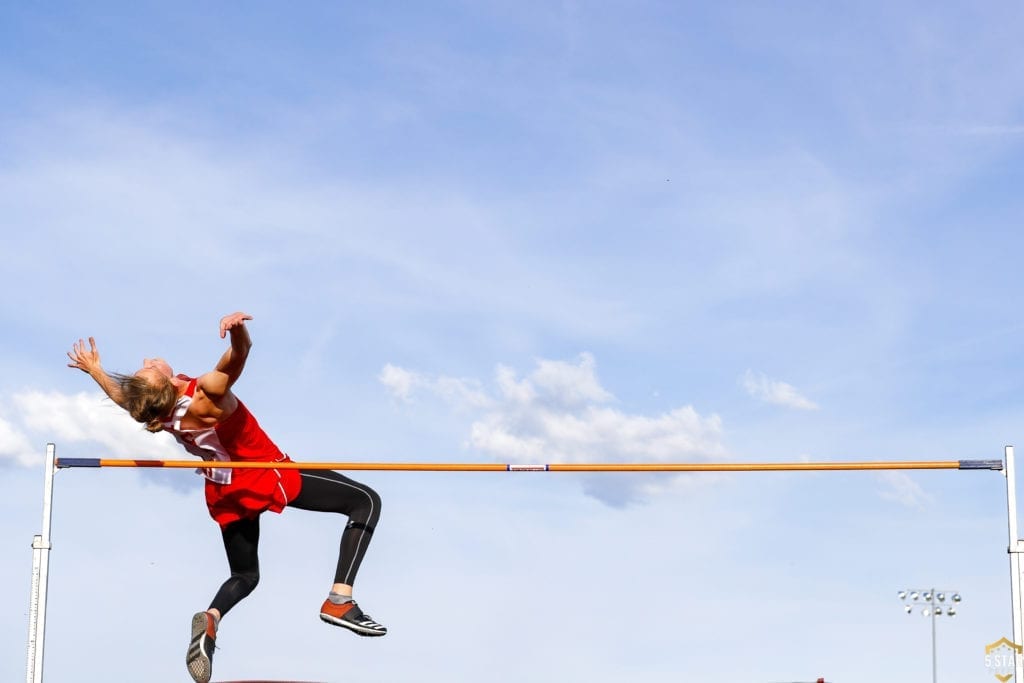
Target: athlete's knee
x,y
373,504
246,580
374,499
364,510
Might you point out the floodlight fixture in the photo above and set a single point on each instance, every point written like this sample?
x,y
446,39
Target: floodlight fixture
x,y
932,606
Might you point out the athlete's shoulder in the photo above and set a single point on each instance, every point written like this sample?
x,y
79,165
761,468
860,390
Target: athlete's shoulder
x,y
190,383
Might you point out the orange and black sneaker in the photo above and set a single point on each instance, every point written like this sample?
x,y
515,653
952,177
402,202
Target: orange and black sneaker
x,y
199,658
348,615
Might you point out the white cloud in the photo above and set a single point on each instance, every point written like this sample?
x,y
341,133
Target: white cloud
x,y
570,384
557,414
35,418
403,383
763,388
461,392
900,488
95,425
512,389
15,445
399,381
89,417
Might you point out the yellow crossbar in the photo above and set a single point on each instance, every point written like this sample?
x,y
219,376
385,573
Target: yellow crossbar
x,y
550,467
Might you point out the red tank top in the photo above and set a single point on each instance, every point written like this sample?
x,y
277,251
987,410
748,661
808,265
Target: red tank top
x,y
242,493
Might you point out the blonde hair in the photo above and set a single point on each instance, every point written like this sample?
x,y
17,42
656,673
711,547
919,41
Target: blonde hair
x,y
146,402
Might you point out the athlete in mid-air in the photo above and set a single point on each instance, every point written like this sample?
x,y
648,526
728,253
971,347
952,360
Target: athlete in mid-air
x,y
208,420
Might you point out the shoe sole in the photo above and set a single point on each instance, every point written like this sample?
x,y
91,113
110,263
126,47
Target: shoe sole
x,y
198,663
355,628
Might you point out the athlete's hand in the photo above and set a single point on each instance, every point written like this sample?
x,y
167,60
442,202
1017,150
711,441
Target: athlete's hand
x,y
229,322
86,360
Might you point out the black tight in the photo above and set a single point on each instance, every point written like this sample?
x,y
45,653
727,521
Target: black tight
x,y
241,540
322,491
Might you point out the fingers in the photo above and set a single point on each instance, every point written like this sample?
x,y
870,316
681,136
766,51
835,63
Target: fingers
x,y
76,351
80,357
233,320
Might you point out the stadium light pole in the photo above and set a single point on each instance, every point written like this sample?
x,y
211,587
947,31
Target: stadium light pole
x,y
932,604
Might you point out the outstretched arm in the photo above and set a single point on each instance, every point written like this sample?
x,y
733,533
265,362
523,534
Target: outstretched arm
x,y
218,382
88,361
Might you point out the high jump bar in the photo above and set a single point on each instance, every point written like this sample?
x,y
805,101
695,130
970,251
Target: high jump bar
x,y
551,467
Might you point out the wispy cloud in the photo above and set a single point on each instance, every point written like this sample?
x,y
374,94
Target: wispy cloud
x,y
273,219
900,488
974,129
404,383
763,388
559,412
995,130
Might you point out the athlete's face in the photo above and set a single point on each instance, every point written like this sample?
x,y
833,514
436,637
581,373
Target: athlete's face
x,y
155,370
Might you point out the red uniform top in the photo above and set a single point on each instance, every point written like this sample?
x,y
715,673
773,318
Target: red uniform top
x,y
242,493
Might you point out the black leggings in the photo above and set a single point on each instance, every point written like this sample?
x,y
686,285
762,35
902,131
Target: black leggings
x,y
322,491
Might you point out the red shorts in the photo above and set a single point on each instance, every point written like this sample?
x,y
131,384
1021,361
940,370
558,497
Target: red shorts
x,y
251,492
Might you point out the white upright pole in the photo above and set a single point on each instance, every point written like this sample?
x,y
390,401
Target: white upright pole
x,y
935,656
40,576
1015,550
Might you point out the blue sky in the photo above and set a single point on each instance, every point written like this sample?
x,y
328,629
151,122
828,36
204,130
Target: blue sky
x,y
510,232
